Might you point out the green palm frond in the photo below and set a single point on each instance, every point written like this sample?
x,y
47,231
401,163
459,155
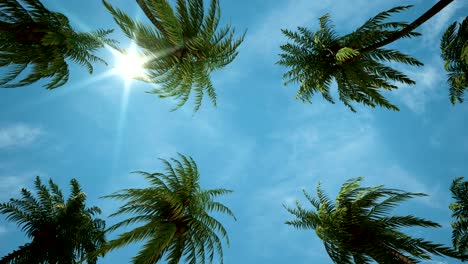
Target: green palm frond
x,y
37,44
459,207
316,59
454,46
357,228
183,48
61,231
173,213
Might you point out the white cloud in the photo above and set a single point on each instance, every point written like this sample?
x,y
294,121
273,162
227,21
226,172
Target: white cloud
x,y
433,29
432,76
18,135
10,185
265,37
429,79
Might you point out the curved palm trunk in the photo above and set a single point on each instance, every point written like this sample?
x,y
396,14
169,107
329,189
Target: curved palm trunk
x,y
401,257
426,16
397,254
150,16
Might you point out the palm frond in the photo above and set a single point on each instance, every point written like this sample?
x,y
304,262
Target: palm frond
x,y
315,59
357,228
60,230
173,213
38,44
454,47
184,48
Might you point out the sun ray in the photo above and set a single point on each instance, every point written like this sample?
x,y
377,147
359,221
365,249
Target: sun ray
x,y
129,64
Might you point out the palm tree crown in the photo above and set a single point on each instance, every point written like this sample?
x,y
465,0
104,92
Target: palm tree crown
x,y
62,231
454,46
317,59
174,216
357,228
459,191
182,48
31,35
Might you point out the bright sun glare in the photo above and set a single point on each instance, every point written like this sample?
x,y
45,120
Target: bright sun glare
x,y
129,65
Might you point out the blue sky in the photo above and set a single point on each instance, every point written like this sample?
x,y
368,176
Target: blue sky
x,y
259,141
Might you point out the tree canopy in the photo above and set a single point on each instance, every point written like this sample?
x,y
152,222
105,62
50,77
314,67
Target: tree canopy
x,y
36,44
454,46
357,227
173,213
183,46
62,231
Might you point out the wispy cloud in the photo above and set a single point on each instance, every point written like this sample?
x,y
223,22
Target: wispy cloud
x,y
433,29
10,185
18,135
265,36
431,77
427,89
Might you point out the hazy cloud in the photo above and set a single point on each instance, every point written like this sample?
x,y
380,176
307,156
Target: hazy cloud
x,y
10,185
429,80
18,135
433,29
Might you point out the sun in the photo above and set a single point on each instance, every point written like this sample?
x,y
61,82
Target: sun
x,y
129,65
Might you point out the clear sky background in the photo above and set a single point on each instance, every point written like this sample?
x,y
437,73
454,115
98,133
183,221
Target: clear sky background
x,y
259,141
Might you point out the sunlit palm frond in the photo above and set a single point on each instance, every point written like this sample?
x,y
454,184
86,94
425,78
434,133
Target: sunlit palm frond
x,y
173,213
357,228
316,59
184,47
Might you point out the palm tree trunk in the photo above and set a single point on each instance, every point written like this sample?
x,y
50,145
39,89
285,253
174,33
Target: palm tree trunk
x,y
397,254
150,16
401,257
426,16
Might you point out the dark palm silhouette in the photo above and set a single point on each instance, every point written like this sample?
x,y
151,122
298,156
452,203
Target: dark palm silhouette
x,y
61,231
36,44
356,228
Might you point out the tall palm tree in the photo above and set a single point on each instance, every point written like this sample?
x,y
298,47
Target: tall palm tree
x,y
459,189
354,61
41,42
174,218
454,46
183,48
62,231
357,227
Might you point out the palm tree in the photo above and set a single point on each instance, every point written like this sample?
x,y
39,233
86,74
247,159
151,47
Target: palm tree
x,y
454,46
459,191
355,61
62,231
183,48
357,227
174,218
36,39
